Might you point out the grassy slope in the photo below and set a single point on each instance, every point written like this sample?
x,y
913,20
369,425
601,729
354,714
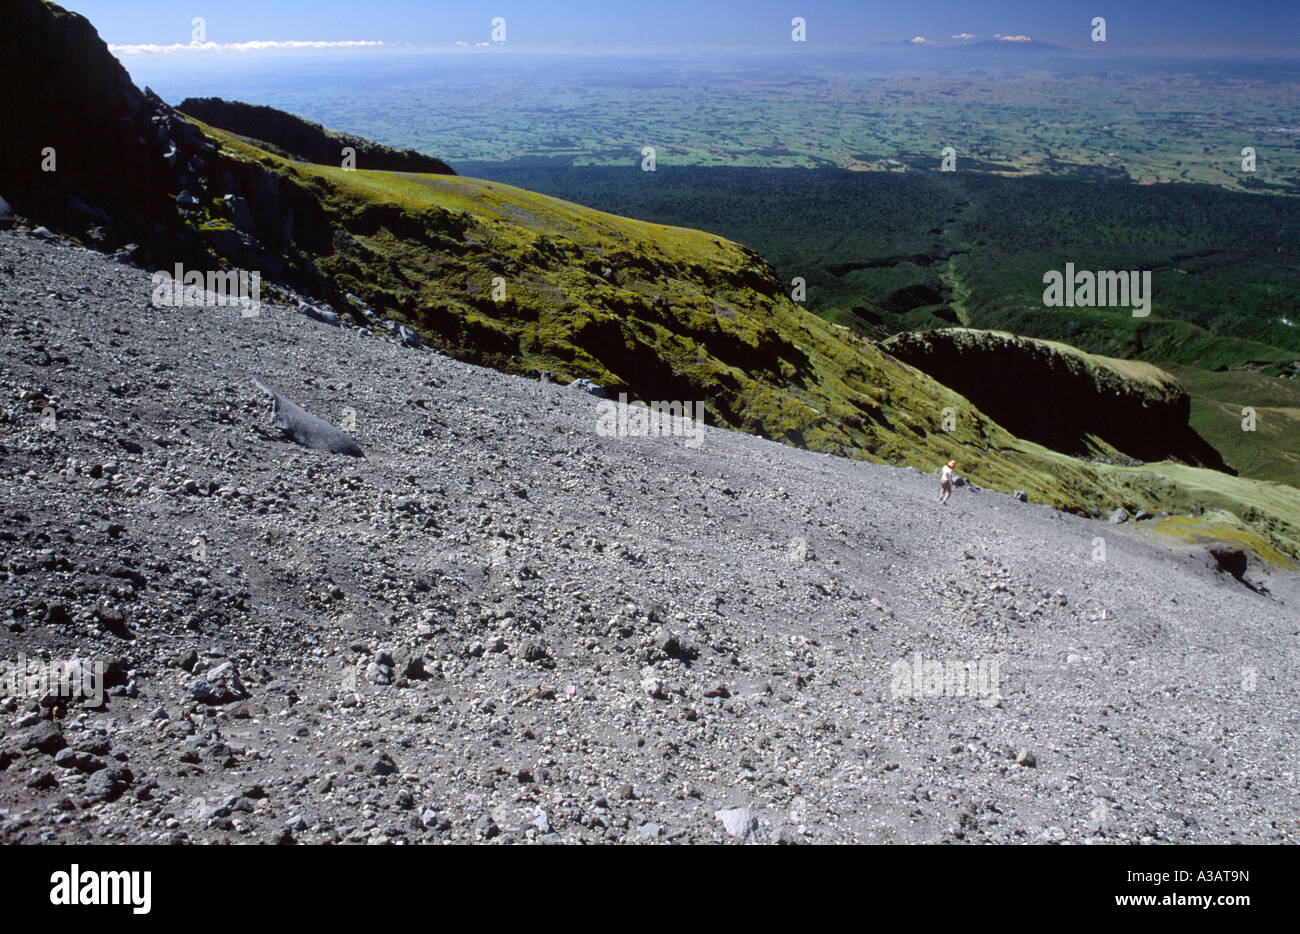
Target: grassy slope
x,y
1165,341
426,248
1272,451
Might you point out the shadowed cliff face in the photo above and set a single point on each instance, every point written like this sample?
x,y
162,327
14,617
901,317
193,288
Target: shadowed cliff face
x,y
94,157
61,90
1062,398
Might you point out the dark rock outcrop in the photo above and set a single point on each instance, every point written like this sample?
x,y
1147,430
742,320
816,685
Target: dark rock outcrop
x,y
303,140
1059,397
1228,559
79,133
92,157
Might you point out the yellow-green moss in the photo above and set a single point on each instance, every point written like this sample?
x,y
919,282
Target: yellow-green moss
x,y
1221,528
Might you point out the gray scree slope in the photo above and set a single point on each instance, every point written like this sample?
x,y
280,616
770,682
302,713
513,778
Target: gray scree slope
x,y
500,626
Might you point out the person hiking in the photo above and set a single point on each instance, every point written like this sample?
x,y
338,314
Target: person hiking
x,y
945,481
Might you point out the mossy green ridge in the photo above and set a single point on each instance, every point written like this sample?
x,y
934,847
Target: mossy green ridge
x,y
666,313
1217,527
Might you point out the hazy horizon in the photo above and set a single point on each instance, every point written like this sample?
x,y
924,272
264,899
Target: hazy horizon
x,y
1268,28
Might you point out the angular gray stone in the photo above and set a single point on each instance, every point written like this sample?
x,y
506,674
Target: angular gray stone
x,y
301,426
316,313
221,685
66,758
379,672
741,823
107,784
534,651
47,737
409,337
673,645
587,385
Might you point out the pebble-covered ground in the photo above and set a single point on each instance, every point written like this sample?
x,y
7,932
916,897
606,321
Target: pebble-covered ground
x,y
501,626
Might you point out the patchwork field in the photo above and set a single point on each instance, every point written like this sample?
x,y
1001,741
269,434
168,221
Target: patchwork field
x,y
1054,112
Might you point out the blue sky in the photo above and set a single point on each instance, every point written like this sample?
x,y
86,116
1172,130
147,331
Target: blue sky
x,y
1258,27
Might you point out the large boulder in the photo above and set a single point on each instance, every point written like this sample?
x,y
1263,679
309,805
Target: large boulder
x,y
317,313
301,426
587,385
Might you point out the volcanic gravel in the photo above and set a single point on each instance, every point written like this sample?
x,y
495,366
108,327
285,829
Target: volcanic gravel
x,y
500,626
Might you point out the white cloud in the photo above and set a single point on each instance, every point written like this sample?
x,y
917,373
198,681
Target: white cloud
x,y
254,46
964,35
918,40
1003,38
